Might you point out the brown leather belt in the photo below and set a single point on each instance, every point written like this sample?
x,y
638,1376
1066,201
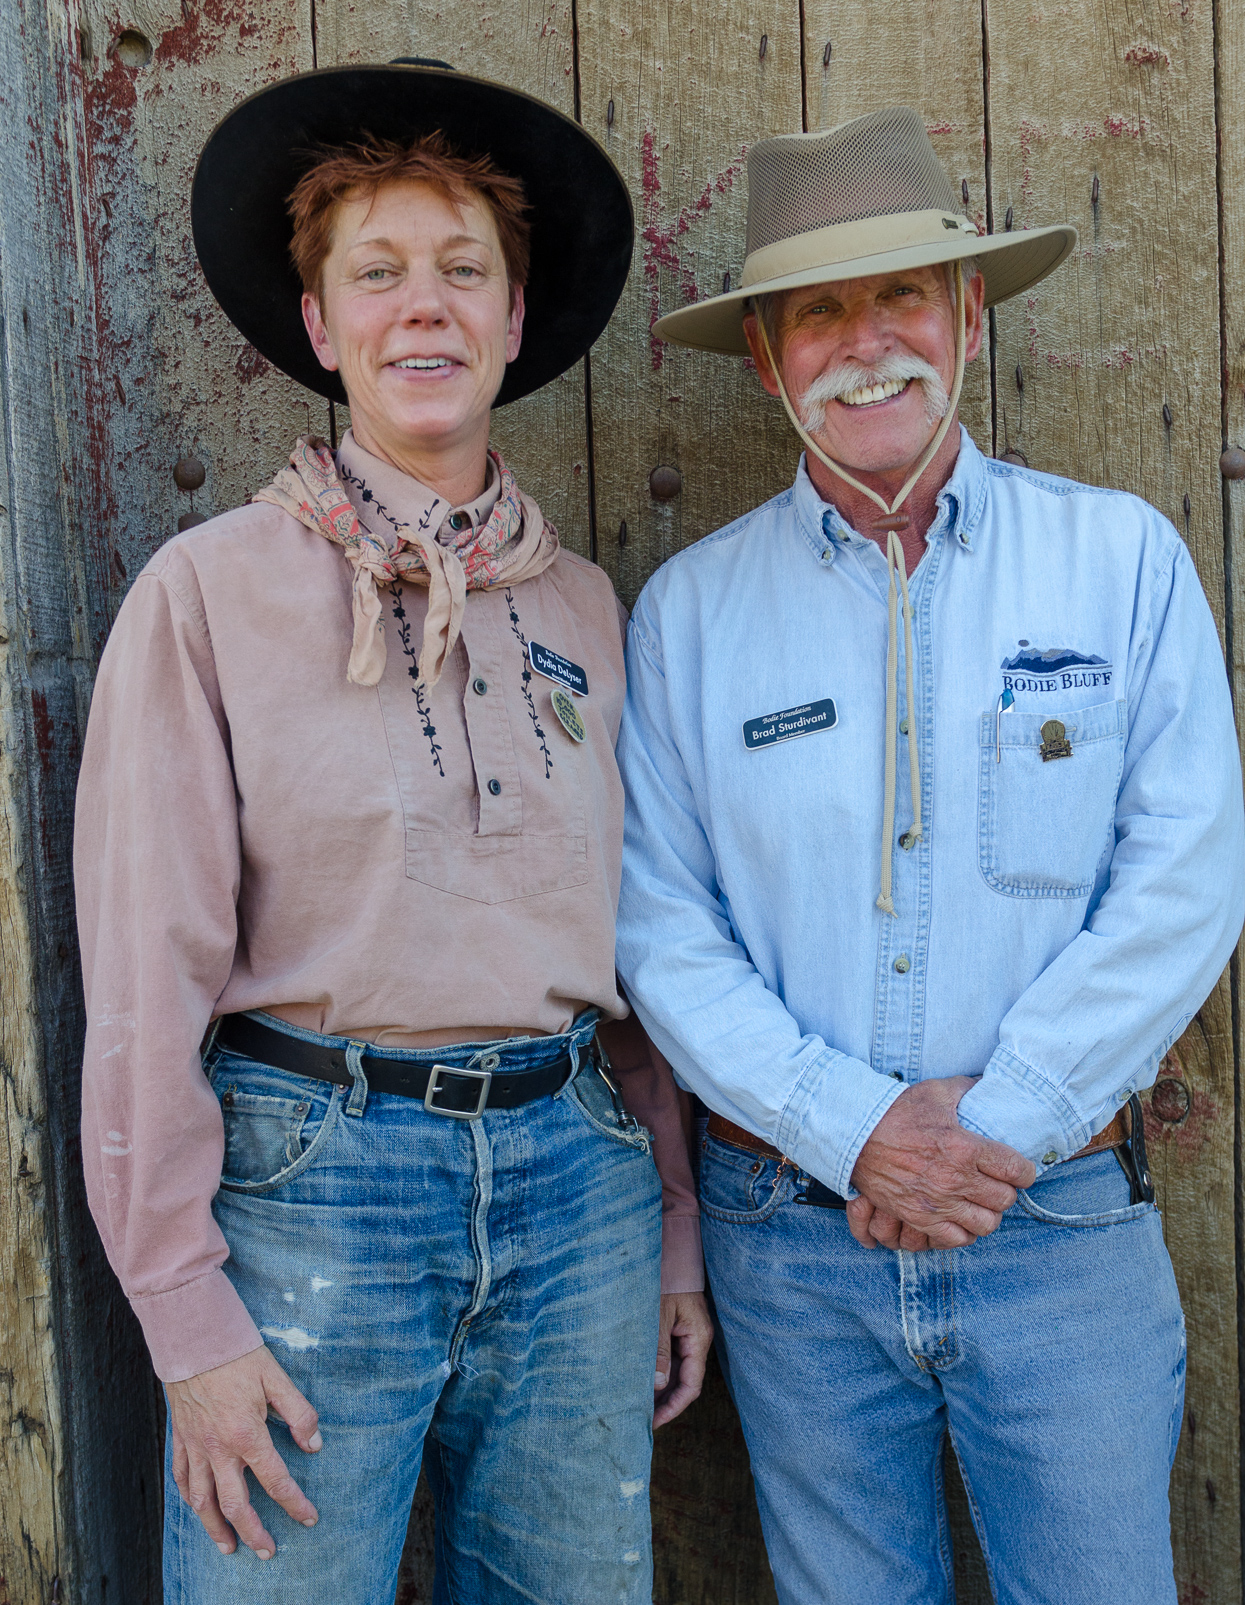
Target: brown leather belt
x,y
1113,1136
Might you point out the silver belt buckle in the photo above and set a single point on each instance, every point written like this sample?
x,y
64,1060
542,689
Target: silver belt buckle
x,y
484,1077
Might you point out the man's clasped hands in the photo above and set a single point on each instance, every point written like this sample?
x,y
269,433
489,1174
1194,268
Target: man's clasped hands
x,y
926,1182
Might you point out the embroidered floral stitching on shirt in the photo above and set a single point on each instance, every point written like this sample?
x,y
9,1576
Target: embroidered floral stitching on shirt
x,y
517,631
425,714
369,496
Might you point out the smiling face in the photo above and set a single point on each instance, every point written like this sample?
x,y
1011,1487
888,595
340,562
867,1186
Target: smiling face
x,y
416,313
869,362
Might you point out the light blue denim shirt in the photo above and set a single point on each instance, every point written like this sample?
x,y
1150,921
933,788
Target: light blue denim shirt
x,y
1064,915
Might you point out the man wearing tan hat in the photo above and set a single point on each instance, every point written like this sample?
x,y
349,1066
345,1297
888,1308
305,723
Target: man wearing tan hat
x,y
1014,684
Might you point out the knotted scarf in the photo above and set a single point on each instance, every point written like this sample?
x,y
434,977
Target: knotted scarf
x,y
514,543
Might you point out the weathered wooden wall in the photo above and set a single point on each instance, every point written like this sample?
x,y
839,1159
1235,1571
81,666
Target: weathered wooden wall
x,y
1126,368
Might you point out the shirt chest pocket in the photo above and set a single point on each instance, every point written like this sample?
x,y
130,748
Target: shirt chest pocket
x,y
492,790
1045,823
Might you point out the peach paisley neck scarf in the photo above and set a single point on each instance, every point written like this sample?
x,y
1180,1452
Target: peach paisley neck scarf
x,y
516,542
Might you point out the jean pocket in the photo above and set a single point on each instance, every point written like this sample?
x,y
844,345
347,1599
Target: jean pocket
x,y
1093,1191
589,1096
276,1124
1045,824
736,1186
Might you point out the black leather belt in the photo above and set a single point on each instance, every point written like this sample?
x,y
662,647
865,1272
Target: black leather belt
x,y
445,1089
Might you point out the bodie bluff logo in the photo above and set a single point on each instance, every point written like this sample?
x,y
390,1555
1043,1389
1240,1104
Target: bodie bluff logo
x,y
1056,668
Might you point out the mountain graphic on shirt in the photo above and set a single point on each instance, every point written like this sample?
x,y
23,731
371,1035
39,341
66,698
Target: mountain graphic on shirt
x,y
1056,657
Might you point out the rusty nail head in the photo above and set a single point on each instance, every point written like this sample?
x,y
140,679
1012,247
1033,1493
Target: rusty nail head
x,y
1093,193
1007,221
1020,379
1167,416
622,533
764,45
609,115
1013,454
1232,463
189,473
189,520
825,55
1170,1100
665,483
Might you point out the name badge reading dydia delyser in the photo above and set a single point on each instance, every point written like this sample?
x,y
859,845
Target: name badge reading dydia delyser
x,y
805,720
557,668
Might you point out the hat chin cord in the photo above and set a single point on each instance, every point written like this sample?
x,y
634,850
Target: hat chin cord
x,y
896,568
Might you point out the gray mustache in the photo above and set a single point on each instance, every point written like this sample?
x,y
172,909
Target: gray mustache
x,y
849,376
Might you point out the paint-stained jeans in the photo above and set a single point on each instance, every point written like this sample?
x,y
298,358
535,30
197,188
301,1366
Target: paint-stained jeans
x,y
481,1293
1052,1352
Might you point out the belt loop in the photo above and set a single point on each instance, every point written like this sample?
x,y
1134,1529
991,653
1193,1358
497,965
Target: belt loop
x,y
358,1093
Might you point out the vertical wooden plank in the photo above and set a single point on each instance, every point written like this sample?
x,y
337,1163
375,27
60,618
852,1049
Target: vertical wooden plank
x,y
1230,109
677,90
690,88
1120,139
173,377
530,45
928,55
79,1509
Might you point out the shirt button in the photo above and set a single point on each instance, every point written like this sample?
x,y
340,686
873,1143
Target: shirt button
x,y
494,787
459,521
903,727
906,841
896,1075
903,964
479,686
1051,1158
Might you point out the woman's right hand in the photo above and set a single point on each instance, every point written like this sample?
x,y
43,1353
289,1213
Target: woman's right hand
x,y
220,1427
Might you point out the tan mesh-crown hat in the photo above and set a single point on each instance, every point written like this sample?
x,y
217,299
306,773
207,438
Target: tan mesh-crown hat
x,y
869,196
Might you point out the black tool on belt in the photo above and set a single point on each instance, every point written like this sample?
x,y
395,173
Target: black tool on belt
x,y
1132,1157
445,1089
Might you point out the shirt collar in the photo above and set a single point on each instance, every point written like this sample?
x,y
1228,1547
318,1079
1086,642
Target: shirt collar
x,y
388,501
960,504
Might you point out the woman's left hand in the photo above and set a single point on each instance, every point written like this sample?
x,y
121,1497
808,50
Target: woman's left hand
x,y
684,1336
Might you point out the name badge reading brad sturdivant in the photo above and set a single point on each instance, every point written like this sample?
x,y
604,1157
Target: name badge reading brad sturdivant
x,y
805,720
557,668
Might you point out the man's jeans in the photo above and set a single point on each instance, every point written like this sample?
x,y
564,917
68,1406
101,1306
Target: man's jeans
x,y
1052,1352
486,1287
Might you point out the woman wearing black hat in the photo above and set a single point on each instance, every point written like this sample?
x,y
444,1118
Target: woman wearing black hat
x,y
349,811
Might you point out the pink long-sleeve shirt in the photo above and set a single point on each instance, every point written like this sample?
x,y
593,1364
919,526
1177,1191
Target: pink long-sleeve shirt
x,y
395,863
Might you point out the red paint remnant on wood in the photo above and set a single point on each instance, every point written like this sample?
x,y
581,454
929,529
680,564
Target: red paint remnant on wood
x,y
658,238
199,33
939,128
251,365
1190,1135
1147,56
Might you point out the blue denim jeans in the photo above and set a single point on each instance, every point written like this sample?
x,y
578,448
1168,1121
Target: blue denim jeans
x,y
481,1294
1052,1352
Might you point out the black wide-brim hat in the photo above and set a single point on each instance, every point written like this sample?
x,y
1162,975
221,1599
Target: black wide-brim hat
x,y
580,212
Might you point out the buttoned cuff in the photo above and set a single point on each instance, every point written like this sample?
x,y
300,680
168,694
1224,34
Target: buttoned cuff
x,y
196,1327
831,1114
1015,1104
682,1263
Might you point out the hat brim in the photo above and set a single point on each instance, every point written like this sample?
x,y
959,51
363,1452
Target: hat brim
x,y
580,211
1010,264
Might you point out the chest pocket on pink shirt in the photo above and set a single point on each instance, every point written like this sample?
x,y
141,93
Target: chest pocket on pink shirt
x,y
492,789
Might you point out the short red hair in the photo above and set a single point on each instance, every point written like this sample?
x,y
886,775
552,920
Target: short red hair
x,y
351,172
